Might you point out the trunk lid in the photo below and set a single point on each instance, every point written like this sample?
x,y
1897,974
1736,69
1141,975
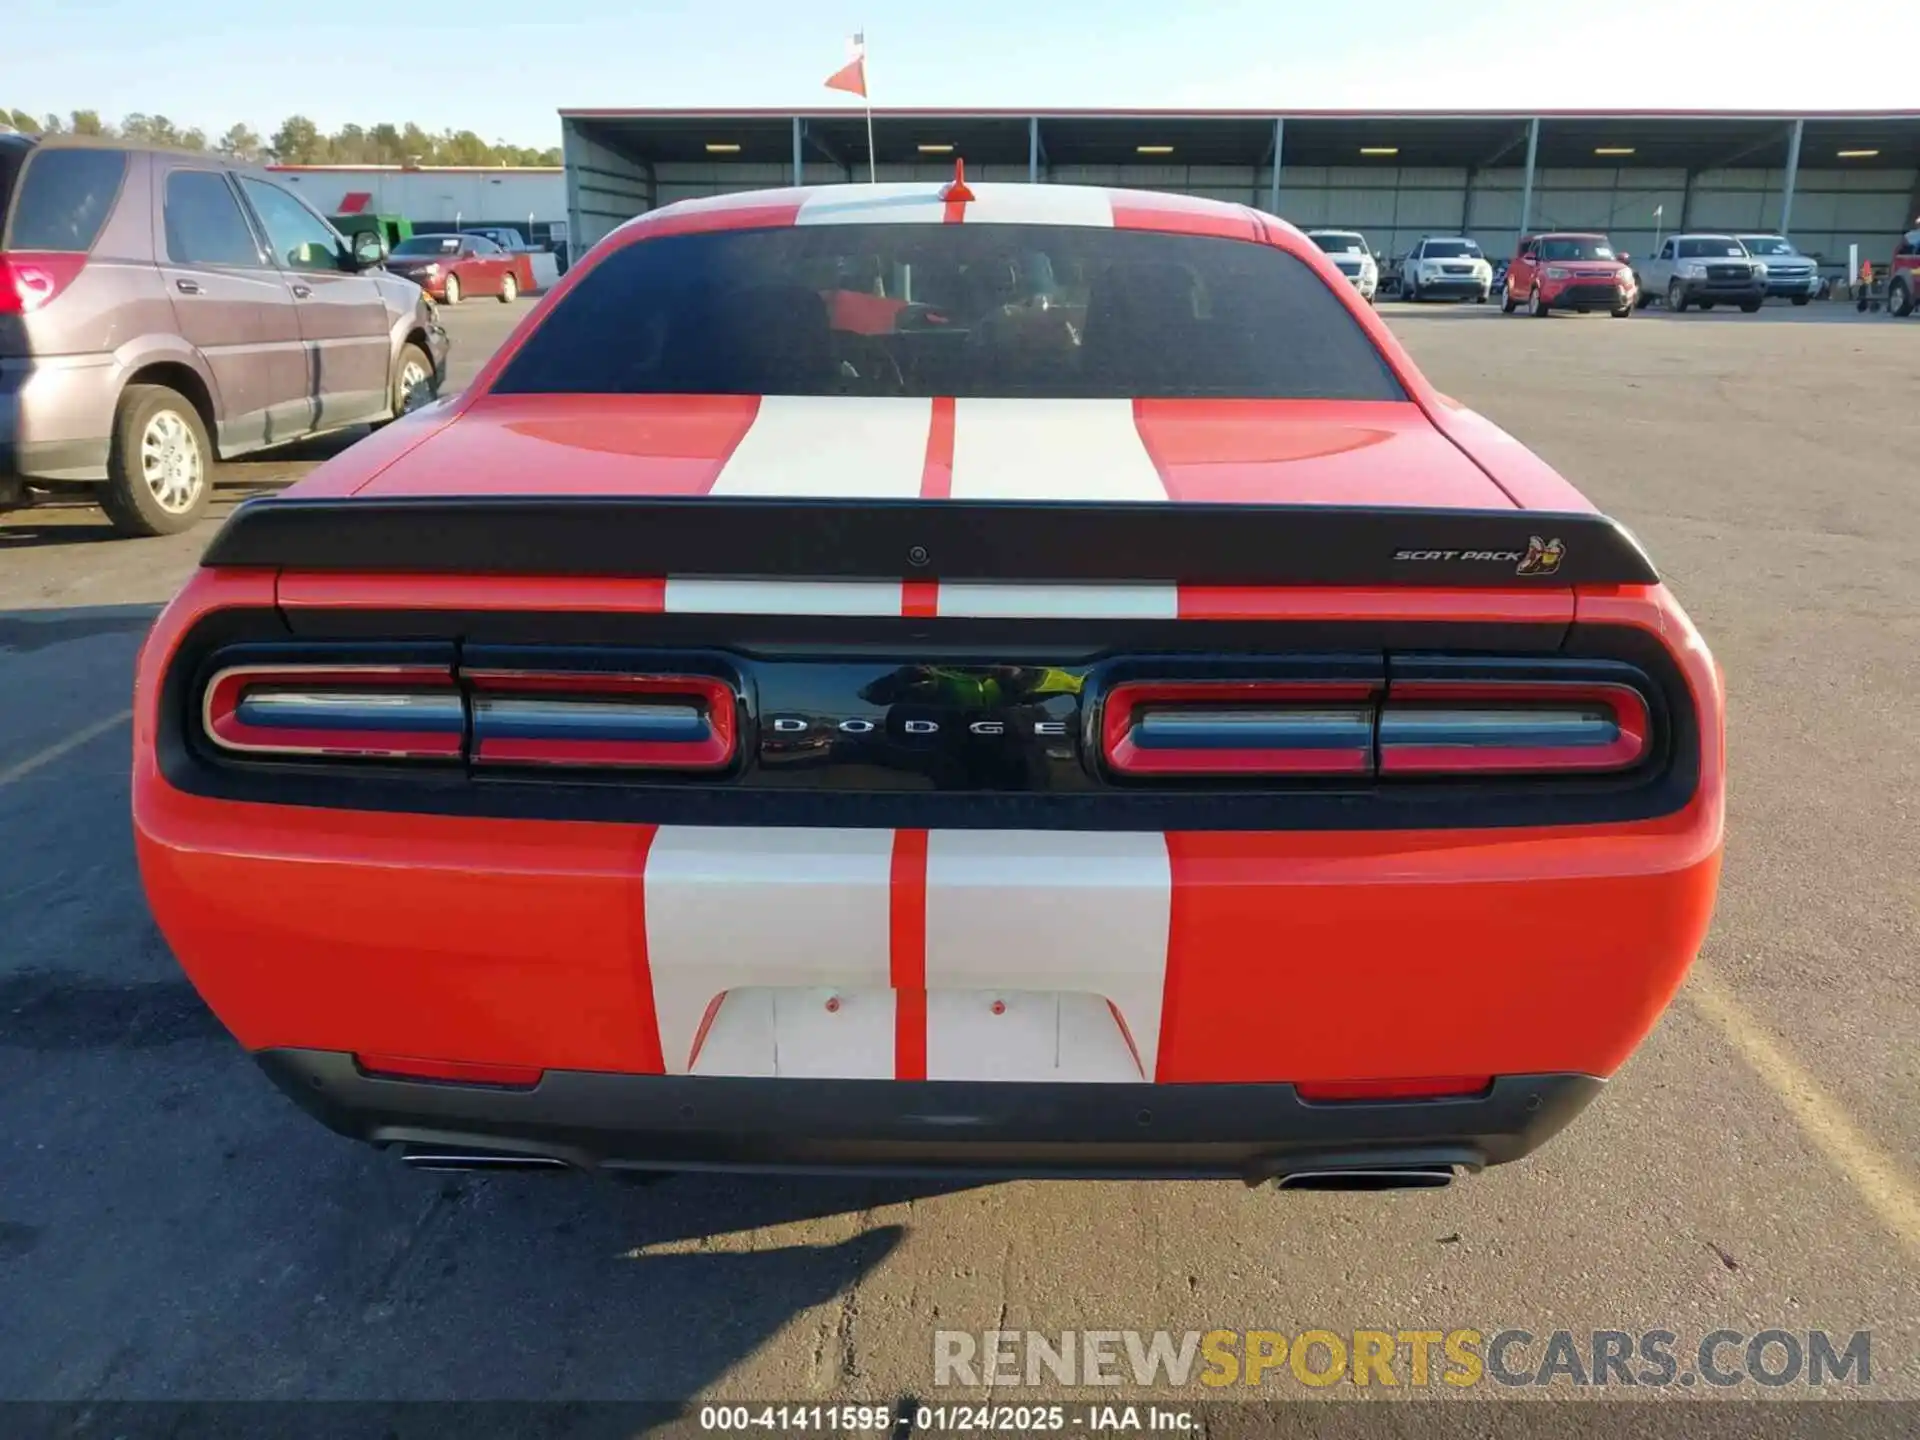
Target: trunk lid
x,y
1360,454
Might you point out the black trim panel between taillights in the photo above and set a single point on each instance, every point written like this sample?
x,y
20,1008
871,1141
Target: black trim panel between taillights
x,y
1004,727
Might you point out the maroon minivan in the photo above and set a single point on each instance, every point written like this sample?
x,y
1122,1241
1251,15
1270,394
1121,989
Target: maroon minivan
x,y
159,310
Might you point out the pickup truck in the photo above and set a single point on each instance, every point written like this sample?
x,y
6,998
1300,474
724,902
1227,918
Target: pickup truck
x,y
1790,275
1702,270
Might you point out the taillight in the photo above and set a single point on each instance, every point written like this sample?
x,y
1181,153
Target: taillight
x,y
1477,724
1448,727
1229,727
30,280
578,718
393,712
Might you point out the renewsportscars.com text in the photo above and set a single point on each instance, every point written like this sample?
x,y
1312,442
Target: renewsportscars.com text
x,y
1415,1359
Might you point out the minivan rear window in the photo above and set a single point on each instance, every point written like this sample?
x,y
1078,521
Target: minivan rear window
x,y
986,310
64,199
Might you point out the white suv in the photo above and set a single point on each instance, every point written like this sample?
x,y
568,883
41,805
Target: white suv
x,y
1443,266
1352,256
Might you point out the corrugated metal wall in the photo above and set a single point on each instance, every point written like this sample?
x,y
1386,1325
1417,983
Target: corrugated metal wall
x,y
1394,207
473,197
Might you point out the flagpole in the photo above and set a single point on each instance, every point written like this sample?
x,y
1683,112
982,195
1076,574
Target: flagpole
x,y
866,88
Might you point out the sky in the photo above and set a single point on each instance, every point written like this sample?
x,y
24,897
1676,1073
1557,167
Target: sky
x,y
504,68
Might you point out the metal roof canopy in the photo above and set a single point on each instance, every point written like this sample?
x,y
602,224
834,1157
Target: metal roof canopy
x,y
1677,140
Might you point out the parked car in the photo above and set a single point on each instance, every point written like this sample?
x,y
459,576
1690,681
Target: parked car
x,y
159,310
452,267
1703,270
1446,266
1790,275
1567,271
690,762
1352,257
505,236
1903,276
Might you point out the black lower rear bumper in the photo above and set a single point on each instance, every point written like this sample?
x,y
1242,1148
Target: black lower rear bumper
x,y
592,1120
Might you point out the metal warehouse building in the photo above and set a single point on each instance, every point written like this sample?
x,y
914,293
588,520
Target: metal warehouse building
x,y
1830,179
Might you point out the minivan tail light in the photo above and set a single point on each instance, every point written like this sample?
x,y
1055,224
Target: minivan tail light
x,y
32,279
368,712
588,719
1239,728
1445,727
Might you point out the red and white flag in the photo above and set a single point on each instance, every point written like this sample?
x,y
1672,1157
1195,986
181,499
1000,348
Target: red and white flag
x,y
852,76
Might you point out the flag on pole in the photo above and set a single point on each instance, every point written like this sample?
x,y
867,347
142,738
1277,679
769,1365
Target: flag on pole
x,y
852,76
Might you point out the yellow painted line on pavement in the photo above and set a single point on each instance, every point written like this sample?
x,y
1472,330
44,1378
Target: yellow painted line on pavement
x,y
53,752
1872,1172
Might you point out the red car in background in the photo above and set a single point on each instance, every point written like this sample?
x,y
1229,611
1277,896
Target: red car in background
x,y
451,267
1903,282
1568,272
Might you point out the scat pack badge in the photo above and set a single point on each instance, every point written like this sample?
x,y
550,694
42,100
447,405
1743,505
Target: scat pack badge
x,y
1541,557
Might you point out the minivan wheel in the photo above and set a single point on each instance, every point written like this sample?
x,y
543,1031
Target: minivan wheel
x,y
413,382
159,464
509,289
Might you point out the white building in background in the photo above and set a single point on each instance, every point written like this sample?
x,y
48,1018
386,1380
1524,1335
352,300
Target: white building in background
x,y
532,199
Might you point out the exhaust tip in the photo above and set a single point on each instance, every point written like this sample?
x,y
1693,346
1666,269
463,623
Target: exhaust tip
x,y
1422,1177
464,1160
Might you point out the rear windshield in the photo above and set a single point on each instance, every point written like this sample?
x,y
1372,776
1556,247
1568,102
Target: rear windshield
x,y
65,198
430,245
962,310
1575,247
1340,244
1712,250
1452,250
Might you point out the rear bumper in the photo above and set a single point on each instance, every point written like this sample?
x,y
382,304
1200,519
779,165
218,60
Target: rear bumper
x,y
55,417
1253,1132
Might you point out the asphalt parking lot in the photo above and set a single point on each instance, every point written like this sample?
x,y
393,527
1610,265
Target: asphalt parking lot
x,y
171,1228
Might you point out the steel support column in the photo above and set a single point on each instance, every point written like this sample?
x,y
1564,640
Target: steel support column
x,y
1279,158
1033,149
1793,174
799,150
1526,192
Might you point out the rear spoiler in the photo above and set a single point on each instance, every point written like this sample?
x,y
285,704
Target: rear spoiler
x,y
1026,541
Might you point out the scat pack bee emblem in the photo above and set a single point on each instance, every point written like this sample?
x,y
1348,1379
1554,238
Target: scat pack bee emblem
x,y
1541,557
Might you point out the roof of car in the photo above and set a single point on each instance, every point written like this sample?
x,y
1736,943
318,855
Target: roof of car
x,y
928,202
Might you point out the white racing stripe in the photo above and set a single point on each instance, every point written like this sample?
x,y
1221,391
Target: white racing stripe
x,y
698,595
1079,912
920,203
1051,450
733,907
985,600
899,203
805,446
1000,204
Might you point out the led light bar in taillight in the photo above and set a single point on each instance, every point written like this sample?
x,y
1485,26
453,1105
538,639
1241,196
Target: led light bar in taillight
x,y
1447,727
594,720
1239,728
385,712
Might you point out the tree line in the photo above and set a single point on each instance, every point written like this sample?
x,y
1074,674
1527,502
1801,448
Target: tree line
x,y
298,141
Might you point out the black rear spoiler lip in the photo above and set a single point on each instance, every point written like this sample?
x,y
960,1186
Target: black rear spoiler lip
x,y
1072,542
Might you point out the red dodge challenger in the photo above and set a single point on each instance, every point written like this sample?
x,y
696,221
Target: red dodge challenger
x,y
1143,730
